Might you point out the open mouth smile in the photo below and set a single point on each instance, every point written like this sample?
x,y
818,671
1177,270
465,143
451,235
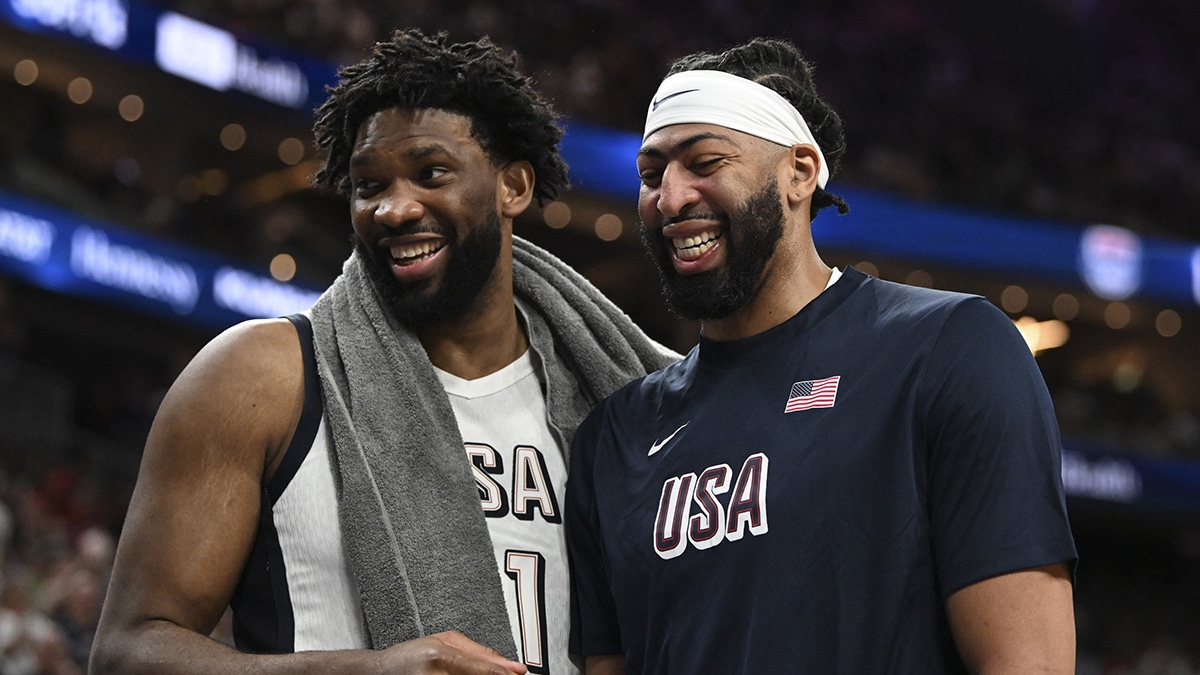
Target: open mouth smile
x,y
408,254
691,248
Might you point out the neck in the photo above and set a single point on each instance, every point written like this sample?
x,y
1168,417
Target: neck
x,y
487,339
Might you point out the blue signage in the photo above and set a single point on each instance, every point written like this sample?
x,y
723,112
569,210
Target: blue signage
x,y
181,46
61,252
1106,260
1103,474
104,23
1109,261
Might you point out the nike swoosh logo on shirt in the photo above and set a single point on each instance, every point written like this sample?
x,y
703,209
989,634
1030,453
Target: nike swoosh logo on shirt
x,y
658,445
654,105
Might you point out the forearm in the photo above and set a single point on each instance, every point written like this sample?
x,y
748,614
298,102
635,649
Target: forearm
x,y
161,646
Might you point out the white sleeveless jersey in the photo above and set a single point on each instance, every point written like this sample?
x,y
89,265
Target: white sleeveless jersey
x,y
521,474
297,593
325,601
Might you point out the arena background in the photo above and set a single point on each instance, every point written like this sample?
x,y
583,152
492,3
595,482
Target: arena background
x,y
154,166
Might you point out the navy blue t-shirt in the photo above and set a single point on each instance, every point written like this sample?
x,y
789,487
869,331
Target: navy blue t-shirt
x,y
804,500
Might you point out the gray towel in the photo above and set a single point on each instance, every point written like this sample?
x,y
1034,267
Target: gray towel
x,y
414,531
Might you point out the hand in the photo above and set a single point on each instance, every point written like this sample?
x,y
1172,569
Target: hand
x,y
449,653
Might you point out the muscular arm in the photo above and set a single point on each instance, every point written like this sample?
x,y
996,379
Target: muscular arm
x,y
218,434
1022,622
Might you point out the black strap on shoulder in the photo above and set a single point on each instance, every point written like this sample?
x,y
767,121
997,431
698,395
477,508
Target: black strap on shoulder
x,y
310,418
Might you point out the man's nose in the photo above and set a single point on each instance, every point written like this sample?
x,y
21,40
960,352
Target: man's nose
x,y
676,191
397,207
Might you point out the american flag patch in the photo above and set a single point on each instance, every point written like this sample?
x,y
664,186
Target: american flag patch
x,y
812,394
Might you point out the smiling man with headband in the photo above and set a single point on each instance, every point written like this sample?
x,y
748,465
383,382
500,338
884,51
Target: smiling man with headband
x,y
715,97
845,475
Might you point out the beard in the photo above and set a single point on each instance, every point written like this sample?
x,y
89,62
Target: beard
x,y
469,265
750,237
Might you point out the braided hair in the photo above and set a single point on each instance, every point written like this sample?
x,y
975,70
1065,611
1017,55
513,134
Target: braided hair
x,y
412,71
779,65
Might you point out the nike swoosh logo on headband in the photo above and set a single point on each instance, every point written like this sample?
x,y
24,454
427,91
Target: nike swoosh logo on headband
x,y
654,105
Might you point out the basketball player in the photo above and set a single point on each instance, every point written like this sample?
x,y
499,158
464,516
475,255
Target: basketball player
x,y
376,485
846,475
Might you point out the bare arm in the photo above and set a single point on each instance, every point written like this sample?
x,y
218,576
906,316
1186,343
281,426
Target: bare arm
x,y
1023,622
604,665
191,524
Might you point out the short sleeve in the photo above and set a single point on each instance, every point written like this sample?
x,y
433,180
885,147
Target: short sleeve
x,y
995,493
594,628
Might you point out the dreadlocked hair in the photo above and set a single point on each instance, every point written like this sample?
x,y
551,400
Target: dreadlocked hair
x,y
412,71
779,65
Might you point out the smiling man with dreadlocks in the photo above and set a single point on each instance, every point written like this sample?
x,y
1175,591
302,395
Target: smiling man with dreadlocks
x,y
845,476
376,485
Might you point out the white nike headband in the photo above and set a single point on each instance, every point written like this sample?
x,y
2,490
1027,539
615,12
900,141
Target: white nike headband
x,y
715,97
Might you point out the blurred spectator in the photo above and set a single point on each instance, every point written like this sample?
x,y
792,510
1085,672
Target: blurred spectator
x,y
52,582
30,642
1094,119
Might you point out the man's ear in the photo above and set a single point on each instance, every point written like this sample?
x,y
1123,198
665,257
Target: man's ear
x,y
514,191
804,165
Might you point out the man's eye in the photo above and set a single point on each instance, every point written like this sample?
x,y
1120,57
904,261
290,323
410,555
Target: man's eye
x,y
434,172
649,176
365,186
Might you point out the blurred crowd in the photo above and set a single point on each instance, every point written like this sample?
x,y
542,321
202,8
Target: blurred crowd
x,y
1083,110
56,561
59,522
1077,110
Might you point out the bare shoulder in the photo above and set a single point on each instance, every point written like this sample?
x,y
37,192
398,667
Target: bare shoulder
x,y
254,354
244,389
194,512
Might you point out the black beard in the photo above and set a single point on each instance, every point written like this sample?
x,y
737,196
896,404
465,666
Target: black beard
x,y
750,236
469,265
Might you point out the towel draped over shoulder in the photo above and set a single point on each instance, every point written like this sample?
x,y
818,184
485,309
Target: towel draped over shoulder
x,y
413,529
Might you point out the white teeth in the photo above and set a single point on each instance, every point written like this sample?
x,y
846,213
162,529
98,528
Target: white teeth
x,y
410,252
690,248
